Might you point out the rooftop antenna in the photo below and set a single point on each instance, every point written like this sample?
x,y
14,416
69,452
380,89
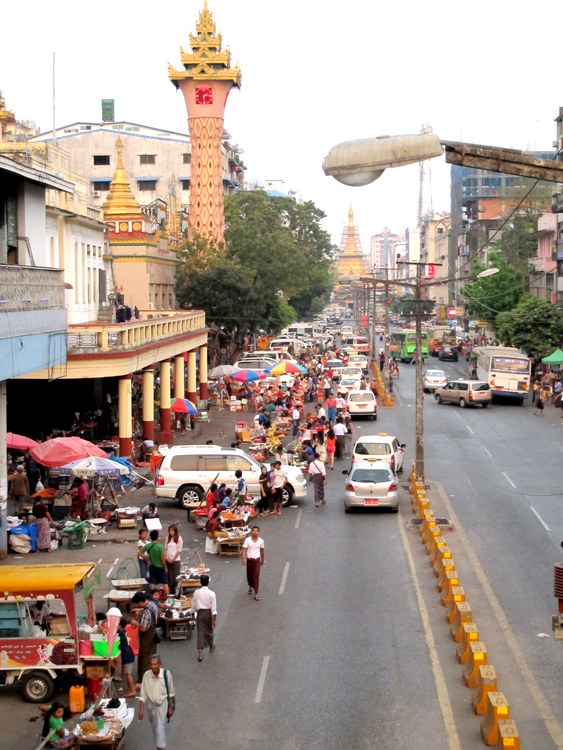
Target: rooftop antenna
x,y
54,130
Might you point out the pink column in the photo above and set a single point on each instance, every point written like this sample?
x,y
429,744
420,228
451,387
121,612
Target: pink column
x,y
165,400
203,373
192,379
125,416
148,403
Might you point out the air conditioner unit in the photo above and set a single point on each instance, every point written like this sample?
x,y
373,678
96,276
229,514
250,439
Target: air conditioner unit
x,y
96,193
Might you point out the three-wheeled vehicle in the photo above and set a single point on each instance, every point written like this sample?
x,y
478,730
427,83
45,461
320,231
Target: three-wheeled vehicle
x,y
39,637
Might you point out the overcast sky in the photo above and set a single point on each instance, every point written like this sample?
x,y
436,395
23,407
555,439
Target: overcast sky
x,y
315,72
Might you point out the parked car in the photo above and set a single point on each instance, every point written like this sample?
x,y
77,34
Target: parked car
x,y
447,353
465,393
188,470
433,379
371,484
361,404
383,447
258,365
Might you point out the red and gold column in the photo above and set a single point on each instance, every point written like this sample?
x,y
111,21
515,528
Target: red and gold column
x,y
165,400
192,376
148,403
125,417
203,376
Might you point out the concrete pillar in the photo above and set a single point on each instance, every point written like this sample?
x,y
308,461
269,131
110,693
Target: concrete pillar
x,y
125,412
3,474
203,373
165,399
148,403
179,379
192,376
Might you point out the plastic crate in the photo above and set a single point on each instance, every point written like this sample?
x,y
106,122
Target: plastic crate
x,y
76,539
101,647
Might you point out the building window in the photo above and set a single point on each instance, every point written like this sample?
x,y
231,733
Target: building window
x,y
101,160
186,158
185,184
105,185
147,158
146,184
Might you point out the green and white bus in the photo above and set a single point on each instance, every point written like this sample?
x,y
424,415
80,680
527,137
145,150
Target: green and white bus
x,y
403,344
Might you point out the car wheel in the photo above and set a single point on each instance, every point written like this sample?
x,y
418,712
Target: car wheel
x,y
395,510
485,404
462,403
287,495
438,398
347,510
38,687
189,493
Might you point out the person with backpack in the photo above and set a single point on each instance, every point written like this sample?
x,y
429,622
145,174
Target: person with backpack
x,y
158,699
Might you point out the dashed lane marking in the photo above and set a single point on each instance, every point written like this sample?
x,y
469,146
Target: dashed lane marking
x,y
508,479
261,680
470,430
540,519
487,451
284,578
298,519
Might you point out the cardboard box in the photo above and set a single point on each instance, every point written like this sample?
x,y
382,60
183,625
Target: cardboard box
x,y
59,626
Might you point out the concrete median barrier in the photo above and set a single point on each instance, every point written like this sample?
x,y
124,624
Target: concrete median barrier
x,y
427,526
451,582
458,595
487,683
497,709
477,658
439,552
448,566
463,614
508,735
469,634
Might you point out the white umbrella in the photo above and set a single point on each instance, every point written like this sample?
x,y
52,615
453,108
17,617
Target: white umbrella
x,y
94,466
222,370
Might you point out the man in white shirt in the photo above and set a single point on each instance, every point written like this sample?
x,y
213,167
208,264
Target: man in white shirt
x,y
253,559
281,456
157,696
340,431
279,482
317,473
296,416
340,403
321,413
204,602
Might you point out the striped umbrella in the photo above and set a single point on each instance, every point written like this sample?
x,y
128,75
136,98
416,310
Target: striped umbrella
x,y
284,367
183,406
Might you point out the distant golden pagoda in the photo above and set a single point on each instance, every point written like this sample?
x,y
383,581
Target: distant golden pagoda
x,y
351,260
6,118
120,201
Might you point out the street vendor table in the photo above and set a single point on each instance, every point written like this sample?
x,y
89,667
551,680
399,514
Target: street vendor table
x,y
121,598
127,519
129,584
230,546
107,740
176,628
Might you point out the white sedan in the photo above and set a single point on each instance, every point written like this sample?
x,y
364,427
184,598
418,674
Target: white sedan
x,y
433,379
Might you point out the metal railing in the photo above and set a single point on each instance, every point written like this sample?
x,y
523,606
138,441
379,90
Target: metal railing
x,y
153,326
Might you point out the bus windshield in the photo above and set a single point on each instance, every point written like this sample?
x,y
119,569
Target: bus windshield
x,y
510,364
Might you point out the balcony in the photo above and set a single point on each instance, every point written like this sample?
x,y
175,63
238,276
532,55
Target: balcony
x,y
154,327
24,288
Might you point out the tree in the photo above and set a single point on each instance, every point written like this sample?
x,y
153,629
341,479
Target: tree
x,y
519,239
533,325
491,295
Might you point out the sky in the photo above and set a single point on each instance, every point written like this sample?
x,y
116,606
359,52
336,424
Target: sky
x,y
314,73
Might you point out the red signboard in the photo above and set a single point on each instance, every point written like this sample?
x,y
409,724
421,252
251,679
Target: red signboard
x,y
430,270
451,313
364,321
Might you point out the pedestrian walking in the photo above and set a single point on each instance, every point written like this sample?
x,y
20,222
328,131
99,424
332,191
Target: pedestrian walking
x,y
157,698
204,603
158,568
340,431
127,659
317,475
146,622
539,404
253,559
142,557
172,548
19,489
330,448
279,480
263,506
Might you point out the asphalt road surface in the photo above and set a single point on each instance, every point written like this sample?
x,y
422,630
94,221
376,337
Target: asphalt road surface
x,y
349,648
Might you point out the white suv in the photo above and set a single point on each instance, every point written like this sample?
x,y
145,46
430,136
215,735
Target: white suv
x,y
187,471
382,447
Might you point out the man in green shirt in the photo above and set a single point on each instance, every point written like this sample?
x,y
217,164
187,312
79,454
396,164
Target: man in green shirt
x,y
158,570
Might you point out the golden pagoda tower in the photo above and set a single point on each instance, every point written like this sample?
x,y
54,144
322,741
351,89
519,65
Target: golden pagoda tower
x,y
351,260
121,203
7,119
205,82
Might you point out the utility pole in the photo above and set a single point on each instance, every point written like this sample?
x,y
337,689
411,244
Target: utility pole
x,y
419,400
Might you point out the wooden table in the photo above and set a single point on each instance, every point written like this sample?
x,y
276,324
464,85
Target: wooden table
x,y
129,584
232,546
121,598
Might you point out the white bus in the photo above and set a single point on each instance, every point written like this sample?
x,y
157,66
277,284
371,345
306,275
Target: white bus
x,y
505,369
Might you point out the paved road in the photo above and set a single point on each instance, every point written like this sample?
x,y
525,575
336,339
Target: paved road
x,y
348,647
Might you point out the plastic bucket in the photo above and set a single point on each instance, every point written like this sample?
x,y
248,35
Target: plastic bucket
x,y
86,648
94,687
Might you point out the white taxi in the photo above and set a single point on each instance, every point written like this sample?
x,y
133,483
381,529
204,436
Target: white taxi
x,y
361,404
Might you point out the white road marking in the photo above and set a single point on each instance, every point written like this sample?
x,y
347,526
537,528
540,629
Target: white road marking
x,y
284,578
487,451
469,428
298,519
261,680
540,519
508,479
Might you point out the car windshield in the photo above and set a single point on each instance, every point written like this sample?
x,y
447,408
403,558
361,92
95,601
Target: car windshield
x,y
348,381
372,449
481,387
333,364
510,364
371,475
361,397
435,374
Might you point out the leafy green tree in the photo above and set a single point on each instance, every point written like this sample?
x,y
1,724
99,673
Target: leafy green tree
x,y
491,295
519,239
533,325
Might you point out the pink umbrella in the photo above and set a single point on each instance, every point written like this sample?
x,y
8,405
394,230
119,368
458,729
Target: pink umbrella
x,y
19,442
61,451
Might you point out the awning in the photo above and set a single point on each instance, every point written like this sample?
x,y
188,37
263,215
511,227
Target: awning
x,y
146,179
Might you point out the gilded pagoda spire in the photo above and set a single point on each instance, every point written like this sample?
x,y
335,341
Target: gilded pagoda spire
x,y
120,200
351,259
5,113
207,61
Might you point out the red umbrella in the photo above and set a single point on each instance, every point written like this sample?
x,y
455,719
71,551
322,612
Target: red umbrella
x,y
19,442
61,451
246,376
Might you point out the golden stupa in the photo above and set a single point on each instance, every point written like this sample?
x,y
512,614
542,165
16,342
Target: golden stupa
x,y
120,201
351,261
